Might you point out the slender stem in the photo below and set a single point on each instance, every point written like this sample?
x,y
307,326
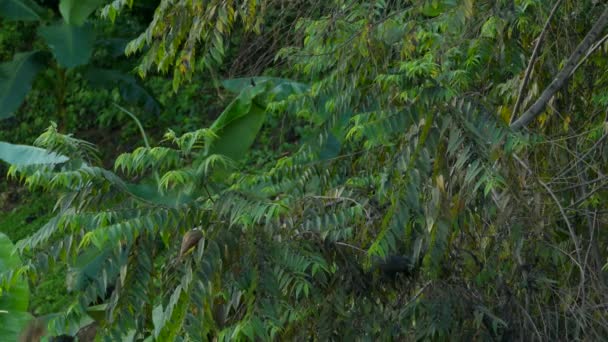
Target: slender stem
x,y
143,134
571,230
60,96
141,128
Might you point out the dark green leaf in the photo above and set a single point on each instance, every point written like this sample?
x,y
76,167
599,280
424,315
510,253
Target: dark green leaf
x,y
130,88
330,148
88,265
75,12
115,46
16,79
71,45
27,10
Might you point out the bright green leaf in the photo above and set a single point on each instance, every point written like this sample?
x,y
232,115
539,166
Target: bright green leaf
x,y
14,302
238,125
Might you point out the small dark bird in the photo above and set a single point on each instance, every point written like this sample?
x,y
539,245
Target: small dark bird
x,y
393,264
252,83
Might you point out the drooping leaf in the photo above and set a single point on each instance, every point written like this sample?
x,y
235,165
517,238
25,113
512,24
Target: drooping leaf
x,y
14,302
16,79
238,124
130,88
27,10
75,12
71,45
23,155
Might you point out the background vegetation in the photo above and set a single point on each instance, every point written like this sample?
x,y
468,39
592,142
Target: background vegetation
x,y
291,170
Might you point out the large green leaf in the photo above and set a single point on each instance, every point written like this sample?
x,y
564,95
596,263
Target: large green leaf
x,y
71,45
14,302
23,155
238,125
75,12
240,122
130,88
27,10
16,79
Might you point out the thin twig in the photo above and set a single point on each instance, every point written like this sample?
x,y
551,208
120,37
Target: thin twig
x,y
591,51
418,293
351,246
565,217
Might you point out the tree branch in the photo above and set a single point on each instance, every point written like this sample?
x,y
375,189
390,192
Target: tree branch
x,y
524,83
561,78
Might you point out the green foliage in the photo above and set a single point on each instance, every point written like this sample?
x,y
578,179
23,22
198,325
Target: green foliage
x,y
397,149
16,79
236,128
71,45
130,89
177,29
75,12
238,125
21,10
14,292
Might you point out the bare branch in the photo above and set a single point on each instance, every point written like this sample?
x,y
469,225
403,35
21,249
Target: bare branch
x,y
524,83
561,78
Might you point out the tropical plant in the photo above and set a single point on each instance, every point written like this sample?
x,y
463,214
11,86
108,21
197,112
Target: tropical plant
x,y
14,292
71,41
419,204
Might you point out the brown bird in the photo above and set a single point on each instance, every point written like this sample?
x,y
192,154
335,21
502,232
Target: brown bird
x,y
189,241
